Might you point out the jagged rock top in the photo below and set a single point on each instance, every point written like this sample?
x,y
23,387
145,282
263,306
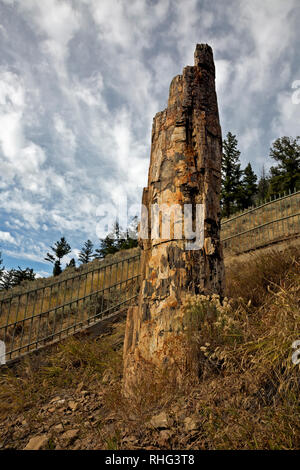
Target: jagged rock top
x,y
204,57
204,64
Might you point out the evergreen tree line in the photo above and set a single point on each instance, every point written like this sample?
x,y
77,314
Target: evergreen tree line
x,y
14,277
115,241
242,188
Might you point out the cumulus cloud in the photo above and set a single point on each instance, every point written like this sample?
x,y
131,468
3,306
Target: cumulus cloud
x,y
287,118
80,86
66,139
21,159
6,237
56,23
89,91
41,274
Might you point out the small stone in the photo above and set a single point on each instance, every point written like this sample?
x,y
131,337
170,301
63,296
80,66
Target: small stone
x,y
79,388
164,437
160,421
54,400
70,435
59,428
77,446
37,442
191,423
73,405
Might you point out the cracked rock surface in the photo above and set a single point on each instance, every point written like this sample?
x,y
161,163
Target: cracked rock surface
x,y
185,170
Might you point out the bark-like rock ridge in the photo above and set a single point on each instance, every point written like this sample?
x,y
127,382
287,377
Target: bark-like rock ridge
x,y
185,170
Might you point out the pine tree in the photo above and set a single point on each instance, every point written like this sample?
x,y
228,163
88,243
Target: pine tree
x,y
263,186
2,273
7,279
107,247
20,275
127,243
60,249
128,239
71,264
286,175
118,240
1,265
249,187
231,175
57,268
86,254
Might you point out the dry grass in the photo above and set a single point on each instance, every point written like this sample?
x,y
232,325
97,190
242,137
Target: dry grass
x,y
248,219
272,222
248,381
38,378
251,277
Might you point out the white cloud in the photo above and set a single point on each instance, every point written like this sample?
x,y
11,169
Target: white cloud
x,y
287,118
7,237
21,158
223,69
12,102
56,23
250,138
89,91
36,256
66,136
54,19
41,274
3,31
130,25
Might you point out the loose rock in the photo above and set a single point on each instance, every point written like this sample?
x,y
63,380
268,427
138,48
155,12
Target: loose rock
x,y
37,442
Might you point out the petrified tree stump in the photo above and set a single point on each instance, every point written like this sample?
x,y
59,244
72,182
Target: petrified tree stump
x,y
185,172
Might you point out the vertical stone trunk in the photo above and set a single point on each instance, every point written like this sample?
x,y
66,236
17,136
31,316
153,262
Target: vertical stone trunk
x,y
185,171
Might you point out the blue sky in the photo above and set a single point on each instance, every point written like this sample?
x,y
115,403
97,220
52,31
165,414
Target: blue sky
x,y
81,80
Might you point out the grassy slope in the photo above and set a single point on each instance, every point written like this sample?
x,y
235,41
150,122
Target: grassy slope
x,y
247,396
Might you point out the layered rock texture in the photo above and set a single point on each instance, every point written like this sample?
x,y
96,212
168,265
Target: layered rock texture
x,y
185,174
